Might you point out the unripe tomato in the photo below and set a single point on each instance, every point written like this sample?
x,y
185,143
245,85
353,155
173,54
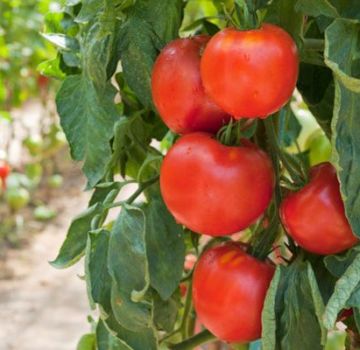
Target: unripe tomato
x,y
319,147
229,289
250,73
215,189
315,216
178,92
17,198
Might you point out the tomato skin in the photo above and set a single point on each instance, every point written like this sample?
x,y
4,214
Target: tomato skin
x,y
215,189
229,289
250,73
315,216
178,92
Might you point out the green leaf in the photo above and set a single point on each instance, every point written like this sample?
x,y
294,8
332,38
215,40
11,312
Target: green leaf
x,y
317,8
97,271
105,340
165,313
74,245
268,317
88,114
143,339
165,248
344,288
338,264
341,55
86,102
62,41
293,308
289,126
128,267
283,14
149,26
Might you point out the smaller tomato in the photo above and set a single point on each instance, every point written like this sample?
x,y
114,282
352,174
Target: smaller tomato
x,y
178,92
315,216
229,289
17,198
4,170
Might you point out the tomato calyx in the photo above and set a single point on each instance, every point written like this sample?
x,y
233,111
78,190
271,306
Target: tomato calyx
x,y
236,132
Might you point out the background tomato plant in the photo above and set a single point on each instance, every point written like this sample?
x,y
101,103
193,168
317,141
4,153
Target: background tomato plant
x,y
134,264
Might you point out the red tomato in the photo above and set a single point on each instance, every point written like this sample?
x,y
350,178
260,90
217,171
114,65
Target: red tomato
x,y
4,170
178,92
315,217
43,81
215,189
229,289
250,73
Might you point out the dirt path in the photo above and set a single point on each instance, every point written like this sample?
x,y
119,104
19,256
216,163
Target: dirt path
x,y
42,308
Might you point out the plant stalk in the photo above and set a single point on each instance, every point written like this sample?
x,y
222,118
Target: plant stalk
x,y
203,337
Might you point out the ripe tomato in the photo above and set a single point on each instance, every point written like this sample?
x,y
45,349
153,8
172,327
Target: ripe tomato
x,y
4,172
215,189
229,289
315,217
250,73
178,92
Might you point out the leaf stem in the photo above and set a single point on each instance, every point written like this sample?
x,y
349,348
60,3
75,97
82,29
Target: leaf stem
x,y
198,339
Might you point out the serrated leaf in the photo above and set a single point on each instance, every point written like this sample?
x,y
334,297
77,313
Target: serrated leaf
x,y
86,102
341,52
344,288
128,266
149,26
74,245
105,340
165,248
87,114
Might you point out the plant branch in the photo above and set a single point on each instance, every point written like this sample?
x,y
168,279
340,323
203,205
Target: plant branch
x,y
198,339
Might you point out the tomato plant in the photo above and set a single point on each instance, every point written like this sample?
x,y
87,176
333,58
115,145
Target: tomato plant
x,y
134,103
306,214
229,290
177,88
214,189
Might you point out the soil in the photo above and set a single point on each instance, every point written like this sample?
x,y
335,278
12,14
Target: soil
x,y
42,308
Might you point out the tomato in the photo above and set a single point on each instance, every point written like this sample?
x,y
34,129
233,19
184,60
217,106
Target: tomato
x,y
250,73
17,198
315,217
178,92
229,289
319,147
4,170
215,189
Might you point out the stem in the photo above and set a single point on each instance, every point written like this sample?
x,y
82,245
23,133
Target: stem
x,y
198,339
314,44
137,193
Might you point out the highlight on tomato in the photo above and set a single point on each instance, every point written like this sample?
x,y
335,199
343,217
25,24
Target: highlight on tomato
x,y
229,289
315,216
178,92
250,73
215,189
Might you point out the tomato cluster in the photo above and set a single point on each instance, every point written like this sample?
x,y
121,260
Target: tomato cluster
x,y
198,85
